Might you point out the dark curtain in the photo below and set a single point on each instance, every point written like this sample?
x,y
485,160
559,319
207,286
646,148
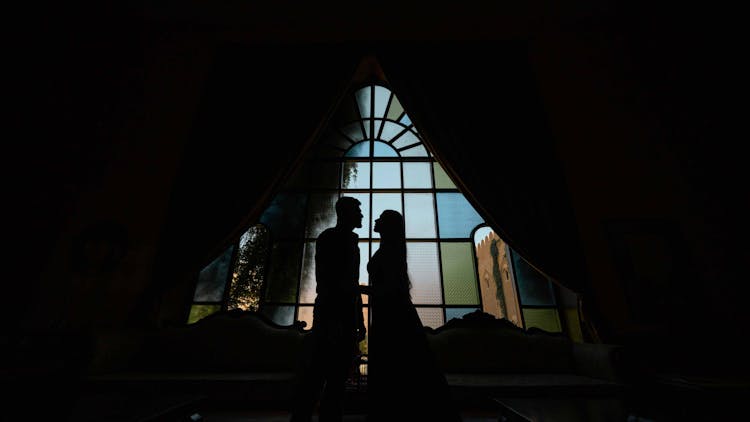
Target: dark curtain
x,y
260,106
475,103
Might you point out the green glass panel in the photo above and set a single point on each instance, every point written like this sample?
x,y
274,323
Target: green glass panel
x,y
395,109
249,270
459,274
417,176
355,175
419,215
198,312
321,213
308,282
283,275
212,280
573,324
546,319
431,317
424,272
442,181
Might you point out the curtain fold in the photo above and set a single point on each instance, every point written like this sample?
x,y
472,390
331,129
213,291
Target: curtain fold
x,y
477,105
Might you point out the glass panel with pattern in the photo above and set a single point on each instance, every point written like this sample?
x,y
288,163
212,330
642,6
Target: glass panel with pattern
x,y
459,275
534,288
212,280
546,319
198,312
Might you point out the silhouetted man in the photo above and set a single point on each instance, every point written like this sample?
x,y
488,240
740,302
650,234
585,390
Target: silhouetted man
x,y
338,324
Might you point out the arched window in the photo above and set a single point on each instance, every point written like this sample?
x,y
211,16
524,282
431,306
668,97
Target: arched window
x,y
372,151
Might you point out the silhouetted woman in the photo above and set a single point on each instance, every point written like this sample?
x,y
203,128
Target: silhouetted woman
x,y
404,380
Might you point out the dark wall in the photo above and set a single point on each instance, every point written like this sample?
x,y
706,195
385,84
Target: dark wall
x,y
106,110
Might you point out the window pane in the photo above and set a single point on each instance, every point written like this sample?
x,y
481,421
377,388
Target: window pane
x,y
307,280
391,129
282,315
424,272
364,258
442,181
386,175
419,215
249,269
395,109
324,175
284,272
546,319
383,150
212,279
533,287
353,131
338,140
355,175
498,290
285,216
382,95
451,313
382,202
408,138
459,275
321,213
431,317
457,218
417,151
363,96
367,124
364,198
405,120
305,313
417,175
361,149
198,312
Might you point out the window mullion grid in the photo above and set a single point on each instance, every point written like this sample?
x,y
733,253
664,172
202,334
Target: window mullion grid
x,y
439,244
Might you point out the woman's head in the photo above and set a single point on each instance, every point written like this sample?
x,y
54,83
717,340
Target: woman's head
x,y
390,225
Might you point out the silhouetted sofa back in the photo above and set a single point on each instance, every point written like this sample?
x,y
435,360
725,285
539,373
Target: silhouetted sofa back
x,y
233,355
483,355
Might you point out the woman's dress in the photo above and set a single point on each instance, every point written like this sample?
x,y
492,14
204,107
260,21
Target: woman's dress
x,y
404,379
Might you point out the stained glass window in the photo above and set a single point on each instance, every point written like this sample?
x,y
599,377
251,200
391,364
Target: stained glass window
x,y
372,151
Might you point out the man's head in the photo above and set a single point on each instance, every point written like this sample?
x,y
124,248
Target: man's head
x,y
348,213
